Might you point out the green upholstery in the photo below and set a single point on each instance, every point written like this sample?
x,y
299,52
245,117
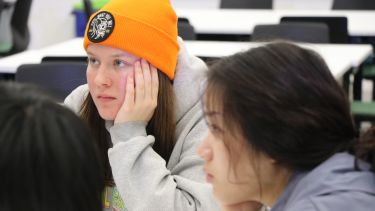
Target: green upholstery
x,y
363,112
363,108
369,71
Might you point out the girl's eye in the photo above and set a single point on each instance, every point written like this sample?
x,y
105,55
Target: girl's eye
x,y
120,63
215,129
92,61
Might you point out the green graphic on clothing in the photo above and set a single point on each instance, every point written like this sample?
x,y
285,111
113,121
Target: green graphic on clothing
x,y
117,200
112,200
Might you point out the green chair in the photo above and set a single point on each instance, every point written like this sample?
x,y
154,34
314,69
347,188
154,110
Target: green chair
x,y
364,111
369,73
15,35
365,71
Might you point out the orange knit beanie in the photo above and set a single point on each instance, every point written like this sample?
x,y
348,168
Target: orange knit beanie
x,y
145,28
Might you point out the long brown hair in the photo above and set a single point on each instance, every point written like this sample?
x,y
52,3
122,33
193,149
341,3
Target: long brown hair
x,y
162,125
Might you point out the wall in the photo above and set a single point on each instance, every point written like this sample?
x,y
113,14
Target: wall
x,y
51,21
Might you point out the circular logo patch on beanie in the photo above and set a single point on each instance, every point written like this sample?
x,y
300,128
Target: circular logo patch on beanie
x,y
100,27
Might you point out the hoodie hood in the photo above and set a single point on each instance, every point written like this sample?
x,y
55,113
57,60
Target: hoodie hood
x,y
333,185
189,80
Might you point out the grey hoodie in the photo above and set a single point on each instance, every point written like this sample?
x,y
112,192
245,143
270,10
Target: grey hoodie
x,y
143,179
332,186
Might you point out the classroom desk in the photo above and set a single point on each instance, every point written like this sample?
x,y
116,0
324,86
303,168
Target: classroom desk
x,y
339,57
242,21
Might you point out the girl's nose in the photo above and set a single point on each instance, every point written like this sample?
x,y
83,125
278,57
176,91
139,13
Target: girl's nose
x,y
102,78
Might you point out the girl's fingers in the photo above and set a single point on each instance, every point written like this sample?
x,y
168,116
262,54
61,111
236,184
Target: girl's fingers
x,y
147,78
154,83
141,94
139,83
129,96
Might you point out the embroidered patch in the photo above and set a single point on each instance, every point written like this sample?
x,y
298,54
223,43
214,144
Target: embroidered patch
x,y
100,27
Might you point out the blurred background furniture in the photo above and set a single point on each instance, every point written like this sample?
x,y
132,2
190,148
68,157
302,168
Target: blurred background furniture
x,y
364,110
82,59
242,4
339,57
58,79
89,10
185,30
15,21
353,5
338,26
299,32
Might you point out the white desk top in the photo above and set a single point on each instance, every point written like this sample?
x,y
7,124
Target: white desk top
x,y
242,21
339,57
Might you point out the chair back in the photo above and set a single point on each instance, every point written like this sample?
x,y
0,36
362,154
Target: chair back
x,y
353,5
248,4
20,34
82,59
299,32
185,30
338,26
89,10
58,79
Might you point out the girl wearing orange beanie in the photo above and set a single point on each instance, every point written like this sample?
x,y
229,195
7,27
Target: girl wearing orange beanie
x,y
142,106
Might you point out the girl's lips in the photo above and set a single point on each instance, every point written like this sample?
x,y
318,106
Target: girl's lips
x,y
106,98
